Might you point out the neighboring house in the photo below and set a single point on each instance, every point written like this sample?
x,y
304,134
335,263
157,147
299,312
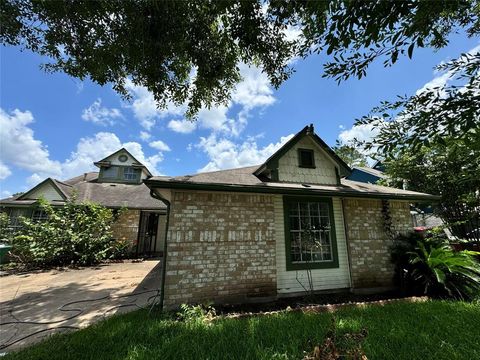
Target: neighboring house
x,y
422,214
118,184
367,174
247,233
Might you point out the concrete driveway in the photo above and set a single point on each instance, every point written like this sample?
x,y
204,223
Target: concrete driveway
x,y
38,304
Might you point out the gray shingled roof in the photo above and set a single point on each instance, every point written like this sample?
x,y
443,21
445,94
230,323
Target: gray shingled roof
x,y
243,179
86,188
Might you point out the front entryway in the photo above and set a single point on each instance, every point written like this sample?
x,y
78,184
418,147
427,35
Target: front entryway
x,y
150,234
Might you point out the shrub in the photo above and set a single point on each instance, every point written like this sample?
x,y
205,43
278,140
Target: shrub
x,y
197,314
428,264
72,234
6,232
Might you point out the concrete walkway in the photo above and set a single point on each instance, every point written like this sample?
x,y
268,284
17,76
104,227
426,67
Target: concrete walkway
x,y
53,301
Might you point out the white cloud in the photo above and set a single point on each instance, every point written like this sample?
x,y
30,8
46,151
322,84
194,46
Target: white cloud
x,y
159,145
5,193
35,179
253,91
100,115
224,154
182,126
102,144
145,136
150,162
19,147
442,78
94,148
145,108
359,133
4,171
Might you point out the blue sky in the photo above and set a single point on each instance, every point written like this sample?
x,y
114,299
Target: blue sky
x,y
54,125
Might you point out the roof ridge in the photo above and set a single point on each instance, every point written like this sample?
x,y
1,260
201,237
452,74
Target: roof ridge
x,y
61,182
216,171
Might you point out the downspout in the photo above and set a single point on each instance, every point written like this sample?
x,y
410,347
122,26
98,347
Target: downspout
x,y
345,226
164,263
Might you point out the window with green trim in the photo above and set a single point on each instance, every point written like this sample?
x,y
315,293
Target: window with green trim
x,y
110,172
310,234
130,174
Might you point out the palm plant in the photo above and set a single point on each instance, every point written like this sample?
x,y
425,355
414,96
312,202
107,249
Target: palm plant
x,y
430,264
442,271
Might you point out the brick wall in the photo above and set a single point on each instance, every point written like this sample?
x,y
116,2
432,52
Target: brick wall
x,y
369,244
221,247
126,226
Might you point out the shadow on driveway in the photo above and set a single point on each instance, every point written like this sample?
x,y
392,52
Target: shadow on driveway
x,y
35,305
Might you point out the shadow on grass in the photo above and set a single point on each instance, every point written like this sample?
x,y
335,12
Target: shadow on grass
x,y
140,336
430,330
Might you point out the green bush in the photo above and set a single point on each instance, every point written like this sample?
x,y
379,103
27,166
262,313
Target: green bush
x,y
428,264
6,232
77,234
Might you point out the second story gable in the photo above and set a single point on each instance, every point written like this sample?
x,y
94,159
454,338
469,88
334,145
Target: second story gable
x,y
122,167
305,159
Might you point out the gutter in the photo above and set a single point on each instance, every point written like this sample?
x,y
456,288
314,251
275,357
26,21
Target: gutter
x,y
164,260
347,241
284,191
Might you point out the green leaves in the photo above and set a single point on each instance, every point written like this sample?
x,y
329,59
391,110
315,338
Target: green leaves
x,y
72,234
432,265
159,44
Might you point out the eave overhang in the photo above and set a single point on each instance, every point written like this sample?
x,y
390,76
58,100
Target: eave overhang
x,y
271,188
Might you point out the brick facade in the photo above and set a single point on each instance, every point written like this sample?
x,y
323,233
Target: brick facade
x,y
126,226
369,244
221,247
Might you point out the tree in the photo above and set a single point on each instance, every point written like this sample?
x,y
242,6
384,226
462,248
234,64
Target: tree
x,y
189,51
350,154
450,169
450,110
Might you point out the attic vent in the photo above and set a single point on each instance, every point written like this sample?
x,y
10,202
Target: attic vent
x,y
123,158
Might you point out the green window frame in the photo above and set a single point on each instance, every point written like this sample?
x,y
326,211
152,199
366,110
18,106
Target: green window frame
x,y
319,251
130,174
306,158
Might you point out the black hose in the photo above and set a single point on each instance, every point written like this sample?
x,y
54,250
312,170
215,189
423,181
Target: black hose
x,y
78,313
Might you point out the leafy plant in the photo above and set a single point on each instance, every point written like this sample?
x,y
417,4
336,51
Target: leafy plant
x,y
72,234
196,313
6,232
429,264
449,170
160,44
350,153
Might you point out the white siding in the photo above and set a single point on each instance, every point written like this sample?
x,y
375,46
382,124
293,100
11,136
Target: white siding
x,y
46,191
323,279
114,159
324,172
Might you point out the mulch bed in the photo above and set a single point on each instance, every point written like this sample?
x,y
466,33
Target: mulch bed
x,y
319,303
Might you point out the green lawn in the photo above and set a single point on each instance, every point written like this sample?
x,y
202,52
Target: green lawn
x,y
431,330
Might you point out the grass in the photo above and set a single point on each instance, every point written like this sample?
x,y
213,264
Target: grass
x,y
430,330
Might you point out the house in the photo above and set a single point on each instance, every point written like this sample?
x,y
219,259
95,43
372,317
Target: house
x,y
367,174
274,229
118,184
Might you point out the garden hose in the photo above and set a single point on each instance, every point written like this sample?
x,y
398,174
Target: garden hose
x,y
64,308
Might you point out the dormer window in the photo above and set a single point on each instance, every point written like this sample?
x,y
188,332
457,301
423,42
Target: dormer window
x,y
110,172
306,158
130,174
